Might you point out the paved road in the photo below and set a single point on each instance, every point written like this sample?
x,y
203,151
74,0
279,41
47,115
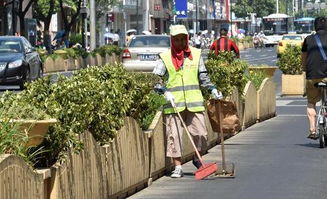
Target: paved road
x,y
265,56
53,78
274,160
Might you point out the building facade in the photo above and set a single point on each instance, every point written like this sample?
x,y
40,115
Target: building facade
x,y
9,21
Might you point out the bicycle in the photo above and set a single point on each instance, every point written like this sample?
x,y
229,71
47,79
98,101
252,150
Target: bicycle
x,y
321,123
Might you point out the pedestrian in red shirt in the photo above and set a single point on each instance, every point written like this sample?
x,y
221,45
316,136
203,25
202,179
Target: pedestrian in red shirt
x,y
224,44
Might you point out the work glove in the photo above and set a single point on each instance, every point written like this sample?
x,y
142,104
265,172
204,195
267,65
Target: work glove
x,y
216,94
169,97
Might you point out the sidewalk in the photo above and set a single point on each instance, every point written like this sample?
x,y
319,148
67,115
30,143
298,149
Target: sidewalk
x,y
273,160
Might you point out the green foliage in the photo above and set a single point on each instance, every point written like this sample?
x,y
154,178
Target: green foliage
x,y
290,61
260,7
80,52
242,8
247,39
107,49
235,39
256,77
96,99
12,139
18,107
41,8
226,72
146,102
43,54
75,38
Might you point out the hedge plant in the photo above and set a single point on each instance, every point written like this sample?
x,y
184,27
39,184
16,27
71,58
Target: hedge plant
x,y
96,99
226,72
256,77
12,139
290,61
80,52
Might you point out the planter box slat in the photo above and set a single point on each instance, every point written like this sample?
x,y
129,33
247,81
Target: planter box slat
x,y
293,84
266,100
250,105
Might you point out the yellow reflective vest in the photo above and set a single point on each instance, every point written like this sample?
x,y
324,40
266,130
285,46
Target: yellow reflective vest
x,y
184,83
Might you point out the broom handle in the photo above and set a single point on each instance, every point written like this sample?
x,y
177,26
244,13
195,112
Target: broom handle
x,y
221,136
188,133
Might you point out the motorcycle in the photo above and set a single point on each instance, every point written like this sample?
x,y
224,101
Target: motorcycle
x,y
257,42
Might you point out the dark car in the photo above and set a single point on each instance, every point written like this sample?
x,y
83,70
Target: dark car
x,y
19,61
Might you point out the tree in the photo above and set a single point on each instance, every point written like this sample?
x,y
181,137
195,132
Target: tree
x,y
260,7
43,11
263,7
21,12
69,20
242,8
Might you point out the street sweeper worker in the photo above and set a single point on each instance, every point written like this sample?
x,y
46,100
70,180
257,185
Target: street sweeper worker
x,y
186,72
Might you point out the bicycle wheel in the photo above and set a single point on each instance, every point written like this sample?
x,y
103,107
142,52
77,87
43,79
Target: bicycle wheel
x,y
322,141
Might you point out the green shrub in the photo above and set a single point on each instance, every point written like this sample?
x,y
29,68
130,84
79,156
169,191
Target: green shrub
x,y
96,99
75,38
146,102
256,77
18,107
12,139
107,49
290,61
247,39
227,72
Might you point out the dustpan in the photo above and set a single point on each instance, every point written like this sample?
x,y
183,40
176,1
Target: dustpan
x,y
225,169
206,169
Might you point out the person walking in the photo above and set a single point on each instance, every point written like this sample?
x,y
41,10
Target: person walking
x,y
186,73
224,44
316,70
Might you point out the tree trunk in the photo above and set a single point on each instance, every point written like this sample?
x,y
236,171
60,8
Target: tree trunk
x,y
46,36
22,25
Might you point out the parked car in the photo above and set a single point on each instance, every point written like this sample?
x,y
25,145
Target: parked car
x,y
143,51
289,39
19,61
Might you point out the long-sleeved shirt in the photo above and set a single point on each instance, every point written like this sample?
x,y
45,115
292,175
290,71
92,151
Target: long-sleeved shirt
x,y
204,79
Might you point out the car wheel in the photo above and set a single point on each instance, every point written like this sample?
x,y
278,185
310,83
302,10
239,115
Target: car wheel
x,y
26,78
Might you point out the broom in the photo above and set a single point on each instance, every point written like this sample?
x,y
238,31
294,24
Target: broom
x,y
206,169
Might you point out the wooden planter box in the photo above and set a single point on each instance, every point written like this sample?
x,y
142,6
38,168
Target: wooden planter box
x,y
293,84
269,70
35,129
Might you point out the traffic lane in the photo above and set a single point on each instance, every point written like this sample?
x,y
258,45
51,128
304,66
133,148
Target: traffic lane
x,y
264,56
273,159
259,56
54,78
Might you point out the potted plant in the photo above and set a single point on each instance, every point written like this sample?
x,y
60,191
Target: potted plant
x,y
293,78
33,122
268,70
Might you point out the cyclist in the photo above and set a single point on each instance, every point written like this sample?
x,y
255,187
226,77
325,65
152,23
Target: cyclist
x,y
316,71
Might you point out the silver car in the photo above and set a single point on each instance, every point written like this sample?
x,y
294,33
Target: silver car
x,y
142,52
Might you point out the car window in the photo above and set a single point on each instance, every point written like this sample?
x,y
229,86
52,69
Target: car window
x,y
291,37
9,45
150,41
27,45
